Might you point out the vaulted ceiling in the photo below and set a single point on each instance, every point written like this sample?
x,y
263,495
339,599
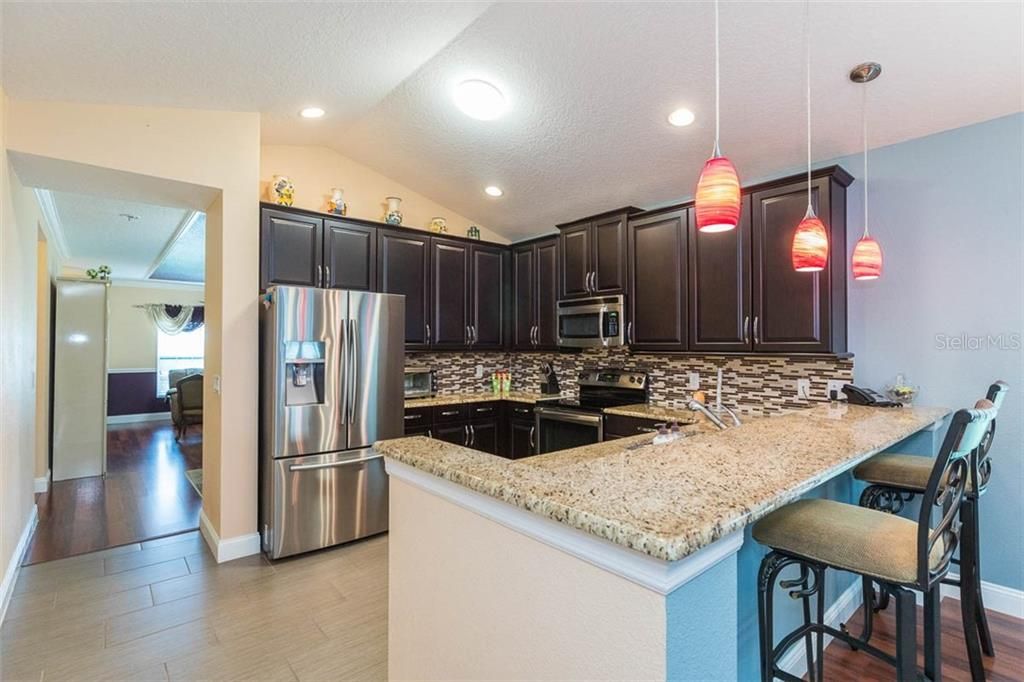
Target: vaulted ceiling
x,y
589,85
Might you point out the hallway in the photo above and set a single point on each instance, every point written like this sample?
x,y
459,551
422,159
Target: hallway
x,y
145,495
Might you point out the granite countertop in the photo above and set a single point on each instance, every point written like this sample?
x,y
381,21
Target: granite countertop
x,y
479,397
668,412
671,500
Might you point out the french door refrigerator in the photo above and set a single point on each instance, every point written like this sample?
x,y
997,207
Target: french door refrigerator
x,y
331,384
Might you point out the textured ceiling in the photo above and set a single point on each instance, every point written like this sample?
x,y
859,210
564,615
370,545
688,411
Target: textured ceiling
x,y
185,259
589,84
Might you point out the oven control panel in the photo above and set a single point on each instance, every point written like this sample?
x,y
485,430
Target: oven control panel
x,y
613,378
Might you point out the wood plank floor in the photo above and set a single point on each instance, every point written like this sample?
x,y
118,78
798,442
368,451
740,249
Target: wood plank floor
x,y
164,610
842,664
144,495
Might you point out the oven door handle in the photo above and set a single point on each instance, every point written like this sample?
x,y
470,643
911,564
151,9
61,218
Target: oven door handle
x,y
567,416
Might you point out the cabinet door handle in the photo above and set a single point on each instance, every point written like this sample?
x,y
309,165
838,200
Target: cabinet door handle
x,y
593,282
757,333
472,436
484,409
428,333
629,333
746,329
430,433
522,410
465,436
410,417
532,445
327,275
449,413
476,338
646,429
319,275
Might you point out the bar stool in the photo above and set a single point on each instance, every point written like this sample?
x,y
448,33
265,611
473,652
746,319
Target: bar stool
x,y
899,554
895,479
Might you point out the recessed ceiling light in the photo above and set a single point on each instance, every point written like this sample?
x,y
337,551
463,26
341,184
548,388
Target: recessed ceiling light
x,y
312,112
681,117
494,191
479,99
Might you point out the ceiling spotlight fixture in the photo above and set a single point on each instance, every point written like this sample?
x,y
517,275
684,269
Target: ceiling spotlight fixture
x,y
479,99
716,202
494,191
312,112
681,117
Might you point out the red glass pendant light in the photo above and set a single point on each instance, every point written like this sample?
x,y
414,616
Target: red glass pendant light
x,y
717,199
866,261
810,241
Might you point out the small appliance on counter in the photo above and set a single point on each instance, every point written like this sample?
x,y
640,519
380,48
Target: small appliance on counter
x,y
420,382
549,386
570,423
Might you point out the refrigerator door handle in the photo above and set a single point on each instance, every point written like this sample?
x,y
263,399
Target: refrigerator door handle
x,y
353,369
344,374
332,465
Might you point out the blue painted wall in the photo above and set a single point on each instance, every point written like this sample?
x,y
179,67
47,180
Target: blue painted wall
x,y
700,618
948,210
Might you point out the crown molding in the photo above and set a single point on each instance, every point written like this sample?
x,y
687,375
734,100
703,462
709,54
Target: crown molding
x,y
51,216
156,284
182,228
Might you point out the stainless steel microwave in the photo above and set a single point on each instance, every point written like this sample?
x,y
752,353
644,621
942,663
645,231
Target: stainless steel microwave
x,y
591,322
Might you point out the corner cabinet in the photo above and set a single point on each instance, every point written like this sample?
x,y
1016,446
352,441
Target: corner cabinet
x,y
593,254
534,297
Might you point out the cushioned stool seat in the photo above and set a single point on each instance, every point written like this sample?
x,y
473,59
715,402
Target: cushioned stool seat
x,y
847,537
906,472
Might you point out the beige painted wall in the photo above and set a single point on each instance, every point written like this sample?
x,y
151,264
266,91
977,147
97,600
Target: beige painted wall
x,y
209,149
42,357
132,336
315,170
471,599
18,258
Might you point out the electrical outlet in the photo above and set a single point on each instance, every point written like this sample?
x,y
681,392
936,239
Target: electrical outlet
x,y
692,381
216,383
803,388
837,386
479,371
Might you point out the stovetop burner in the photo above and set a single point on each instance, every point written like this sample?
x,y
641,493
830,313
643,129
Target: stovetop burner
x,y
604,387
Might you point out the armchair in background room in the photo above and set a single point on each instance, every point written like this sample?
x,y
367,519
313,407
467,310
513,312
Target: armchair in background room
x,y
186,403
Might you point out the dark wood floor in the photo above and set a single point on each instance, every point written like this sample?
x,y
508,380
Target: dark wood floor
x,y
842,664
145,495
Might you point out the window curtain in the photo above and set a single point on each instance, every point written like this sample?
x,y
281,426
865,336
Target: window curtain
x,y
174,319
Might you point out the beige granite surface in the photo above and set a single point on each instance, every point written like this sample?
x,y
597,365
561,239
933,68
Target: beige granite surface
x,y
671,500
478,397
667,412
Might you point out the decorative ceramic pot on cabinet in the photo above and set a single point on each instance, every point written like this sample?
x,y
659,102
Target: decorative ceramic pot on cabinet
x,y
394,214
282,191
438,225
473,232
336,204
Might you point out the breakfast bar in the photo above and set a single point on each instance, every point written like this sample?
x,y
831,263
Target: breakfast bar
x,y
622,559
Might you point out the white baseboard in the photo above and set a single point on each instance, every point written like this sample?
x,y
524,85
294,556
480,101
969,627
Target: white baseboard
x,y
138,418
14,565
842,609
997,598
229,548
42,484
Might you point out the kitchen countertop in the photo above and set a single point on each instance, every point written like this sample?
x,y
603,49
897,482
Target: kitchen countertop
x,y
669,412
480,397
671,500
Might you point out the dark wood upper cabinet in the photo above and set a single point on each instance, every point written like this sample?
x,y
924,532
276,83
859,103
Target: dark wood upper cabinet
x,y
290,249
656,309
547,293
719,291
350,256
576,257
524,295
488,310
798,312
449,280
403,267
609,258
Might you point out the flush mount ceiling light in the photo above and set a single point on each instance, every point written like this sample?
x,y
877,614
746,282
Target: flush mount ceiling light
x,y
681,117
717,199
867,254
479,99
312,112
494,191
810,241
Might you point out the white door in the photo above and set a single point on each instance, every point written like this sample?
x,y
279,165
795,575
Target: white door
x,y
80,380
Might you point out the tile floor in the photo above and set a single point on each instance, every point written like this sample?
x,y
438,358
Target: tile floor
x,y
164,610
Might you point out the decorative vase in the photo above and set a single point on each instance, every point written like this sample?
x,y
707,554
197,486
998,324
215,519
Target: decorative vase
x,y
438,225
336,204
282,191
394,214
473,232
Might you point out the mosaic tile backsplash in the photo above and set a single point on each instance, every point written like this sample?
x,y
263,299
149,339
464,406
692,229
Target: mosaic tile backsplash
x,y
755,383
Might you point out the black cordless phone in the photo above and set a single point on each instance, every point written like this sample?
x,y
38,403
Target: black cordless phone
x,y
855,395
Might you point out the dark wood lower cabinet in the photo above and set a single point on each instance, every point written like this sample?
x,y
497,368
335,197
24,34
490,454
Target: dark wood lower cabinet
x,y
484,436
496,427
521,439
457,433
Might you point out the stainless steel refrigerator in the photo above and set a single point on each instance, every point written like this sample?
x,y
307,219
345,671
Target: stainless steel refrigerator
x,y
331,385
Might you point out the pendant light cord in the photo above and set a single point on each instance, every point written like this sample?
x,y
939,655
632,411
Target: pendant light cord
x,y
864,134
807,37
717,84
